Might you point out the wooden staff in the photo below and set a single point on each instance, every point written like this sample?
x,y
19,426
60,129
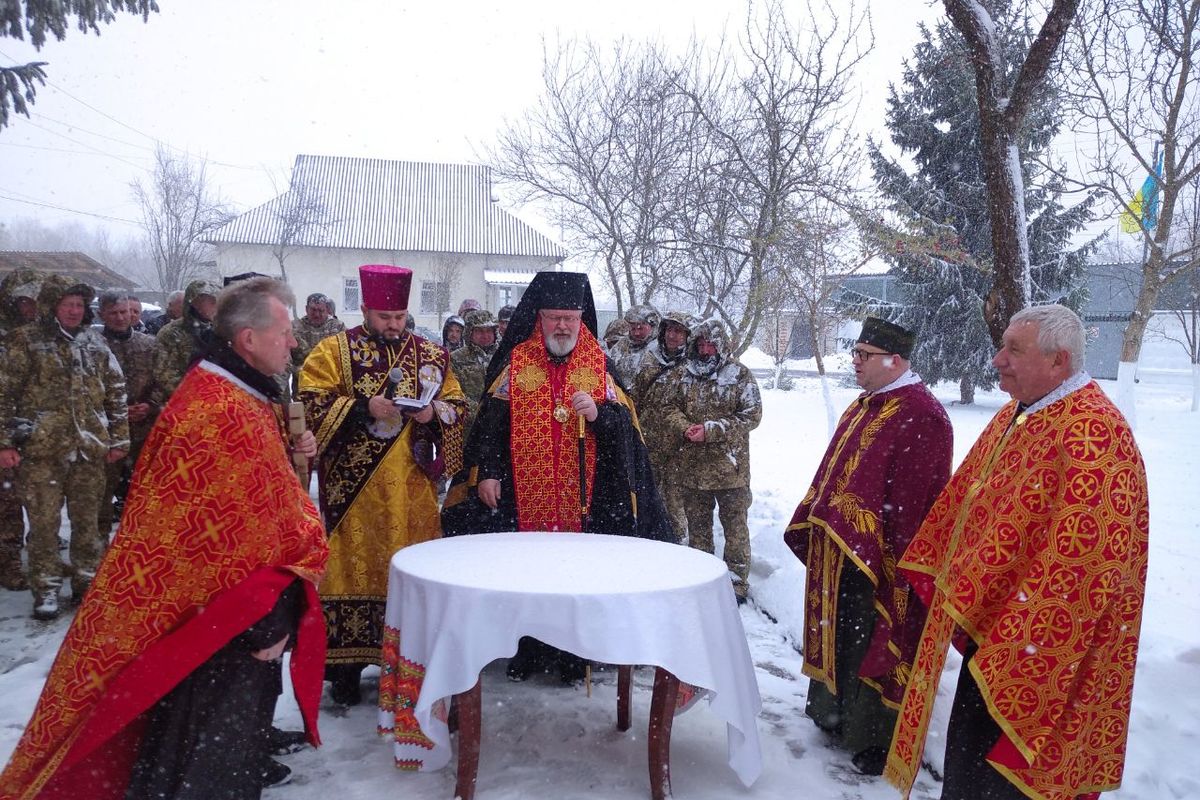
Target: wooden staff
x,y
583,497
296,428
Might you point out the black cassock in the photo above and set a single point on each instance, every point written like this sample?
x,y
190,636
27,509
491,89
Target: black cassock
x,y
207,738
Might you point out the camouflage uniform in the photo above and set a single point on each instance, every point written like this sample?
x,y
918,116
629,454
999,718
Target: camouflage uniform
x,y
65,397
652,389
180,339
135,354
627,354
723,395
470,362
307,335
16,284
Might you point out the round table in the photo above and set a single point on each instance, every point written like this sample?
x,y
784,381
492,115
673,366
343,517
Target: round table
x,y
455,605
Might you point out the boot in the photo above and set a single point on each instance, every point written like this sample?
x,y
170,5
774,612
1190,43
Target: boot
x,y
45,605
79,587
12,577
345,680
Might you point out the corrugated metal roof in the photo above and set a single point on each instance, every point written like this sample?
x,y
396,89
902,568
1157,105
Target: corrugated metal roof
x,y
375,204
73,265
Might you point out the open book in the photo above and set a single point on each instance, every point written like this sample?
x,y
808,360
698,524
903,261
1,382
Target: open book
x,y
428,390
429,378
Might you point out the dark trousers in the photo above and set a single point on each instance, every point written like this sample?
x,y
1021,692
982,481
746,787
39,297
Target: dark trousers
x,y
972,734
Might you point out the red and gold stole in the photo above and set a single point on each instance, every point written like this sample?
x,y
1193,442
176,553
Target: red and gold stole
x,y
545,453
215,527
1037,550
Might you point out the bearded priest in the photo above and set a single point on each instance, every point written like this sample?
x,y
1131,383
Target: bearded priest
x,y
388,416
553,414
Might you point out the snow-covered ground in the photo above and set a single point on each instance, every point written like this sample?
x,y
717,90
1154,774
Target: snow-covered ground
x,y
544,740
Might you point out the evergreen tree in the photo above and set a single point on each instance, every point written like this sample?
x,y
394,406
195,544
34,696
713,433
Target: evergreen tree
x,y
18,84
938,241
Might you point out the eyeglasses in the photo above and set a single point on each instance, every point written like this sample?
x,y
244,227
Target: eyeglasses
x,y
865,355
562,319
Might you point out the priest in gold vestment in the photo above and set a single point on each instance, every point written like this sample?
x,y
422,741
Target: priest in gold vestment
x,y
1033,563
378,461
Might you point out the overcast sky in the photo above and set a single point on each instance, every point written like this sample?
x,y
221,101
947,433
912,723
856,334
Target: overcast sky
x,y
250,85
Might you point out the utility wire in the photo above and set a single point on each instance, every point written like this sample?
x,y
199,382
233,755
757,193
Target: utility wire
x,y
69,210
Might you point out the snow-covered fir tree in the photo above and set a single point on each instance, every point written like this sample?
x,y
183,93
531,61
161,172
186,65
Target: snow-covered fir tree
x,y
938,237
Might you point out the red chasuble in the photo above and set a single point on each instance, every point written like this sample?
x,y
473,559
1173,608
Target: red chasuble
x,y
888,460
1037,550
545,431
215,528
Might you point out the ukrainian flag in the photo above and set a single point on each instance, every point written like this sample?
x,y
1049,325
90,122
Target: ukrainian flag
x,y
1143,208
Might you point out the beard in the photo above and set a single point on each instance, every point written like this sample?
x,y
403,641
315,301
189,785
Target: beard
x,y
561,347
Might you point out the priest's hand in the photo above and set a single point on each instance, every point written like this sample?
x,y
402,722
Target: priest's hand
x,y
695,433
273,652
306,445
422,416
380,407
583,404
489,492
9,458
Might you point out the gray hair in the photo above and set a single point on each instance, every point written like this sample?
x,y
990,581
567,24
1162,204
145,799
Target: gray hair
x,y
111,298
1059,328
247,304
175,295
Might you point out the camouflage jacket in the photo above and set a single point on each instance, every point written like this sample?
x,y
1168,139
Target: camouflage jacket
x,y
628,358
176,343
307,335
61,394
135,354
652,391
469,363
726,400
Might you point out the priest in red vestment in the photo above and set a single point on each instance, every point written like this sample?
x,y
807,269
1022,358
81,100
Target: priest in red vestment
x,y
555,446
889,458
1033,563
161,686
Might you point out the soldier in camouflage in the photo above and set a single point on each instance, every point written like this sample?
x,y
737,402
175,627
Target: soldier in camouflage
x,y
315,325
143,397
652,390
18,306
628,353
182,339
614,332
710,418
470,361
62,402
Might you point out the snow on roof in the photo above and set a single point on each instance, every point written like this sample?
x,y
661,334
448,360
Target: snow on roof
x,y
377,204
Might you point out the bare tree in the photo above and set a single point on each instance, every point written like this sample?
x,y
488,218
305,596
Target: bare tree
x,y
1003,100
772,131
179,208
301,218
446,271
604,146
1134,92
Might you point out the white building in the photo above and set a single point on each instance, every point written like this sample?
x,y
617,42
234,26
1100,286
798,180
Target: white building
x,y
439,220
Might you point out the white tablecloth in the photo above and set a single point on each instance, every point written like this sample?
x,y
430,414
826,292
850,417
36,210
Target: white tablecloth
x,y
463,602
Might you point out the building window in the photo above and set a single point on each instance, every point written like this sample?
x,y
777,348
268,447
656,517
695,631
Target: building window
x,y
435,297
351,296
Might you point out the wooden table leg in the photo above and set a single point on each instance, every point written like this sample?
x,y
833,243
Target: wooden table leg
x,y
624,676
662,715
469,705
